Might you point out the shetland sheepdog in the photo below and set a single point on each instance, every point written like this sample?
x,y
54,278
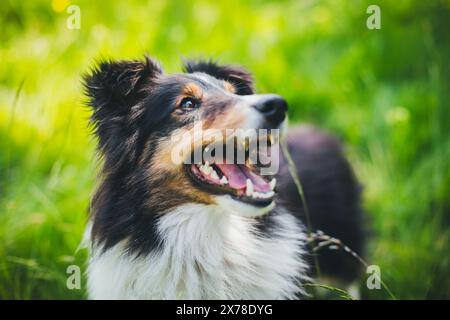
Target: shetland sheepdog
x,y
165,224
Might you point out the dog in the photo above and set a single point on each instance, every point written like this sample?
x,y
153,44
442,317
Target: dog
x,y
159,229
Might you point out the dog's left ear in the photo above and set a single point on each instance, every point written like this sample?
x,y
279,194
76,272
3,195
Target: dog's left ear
x,y
114,86
239,77
114,89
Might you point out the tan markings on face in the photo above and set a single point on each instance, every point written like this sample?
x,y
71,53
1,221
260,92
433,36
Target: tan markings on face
x,y
177,190
177,182
191,90
173,150
229,87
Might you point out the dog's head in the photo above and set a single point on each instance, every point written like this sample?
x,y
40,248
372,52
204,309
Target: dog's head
x,y
142,115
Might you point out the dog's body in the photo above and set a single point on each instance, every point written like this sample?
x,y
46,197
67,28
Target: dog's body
x,y
162,230
208,254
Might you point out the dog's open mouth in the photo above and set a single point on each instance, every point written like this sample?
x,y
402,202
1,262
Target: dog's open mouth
x,y
243,182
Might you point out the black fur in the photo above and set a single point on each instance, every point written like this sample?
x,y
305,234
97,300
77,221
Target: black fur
x,y
238,76
116,90
113,89
133,104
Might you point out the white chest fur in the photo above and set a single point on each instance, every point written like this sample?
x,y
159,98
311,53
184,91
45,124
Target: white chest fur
x,y
206,254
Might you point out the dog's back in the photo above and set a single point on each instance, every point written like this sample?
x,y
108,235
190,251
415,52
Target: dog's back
x,y
332,198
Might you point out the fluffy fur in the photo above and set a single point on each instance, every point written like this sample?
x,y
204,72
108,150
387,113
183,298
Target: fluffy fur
x,y
206,254
153,232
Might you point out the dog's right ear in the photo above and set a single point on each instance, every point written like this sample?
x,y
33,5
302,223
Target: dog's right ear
x,y
113,88
239,77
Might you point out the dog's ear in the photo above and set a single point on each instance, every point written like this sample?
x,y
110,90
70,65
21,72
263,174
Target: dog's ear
x,y
113,89
239,77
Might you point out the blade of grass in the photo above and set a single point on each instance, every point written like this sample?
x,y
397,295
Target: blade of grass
x,y
293,172
9,133
327,240
342,293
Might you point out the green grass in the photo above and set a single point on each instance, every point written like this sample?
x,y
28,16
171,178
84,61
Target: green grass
x,y
384,92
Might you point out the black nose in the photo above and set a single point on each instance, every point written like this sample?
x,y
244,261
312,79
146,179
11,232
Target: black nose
x,y
272,107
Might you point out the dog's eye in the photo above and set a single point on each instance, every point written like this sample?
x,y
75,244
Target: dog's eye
x,y
189,103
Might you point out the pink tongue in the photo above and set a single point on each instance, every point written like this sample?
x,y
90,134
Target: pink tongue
x,y
259,184
237,176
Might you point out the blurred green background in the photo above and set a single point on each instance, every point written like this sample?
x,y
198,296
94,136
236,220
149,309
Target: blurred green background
x,y
384,92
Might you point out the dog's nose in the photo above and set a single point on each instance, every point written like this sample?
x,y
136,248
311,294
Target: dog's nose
x,y
272,107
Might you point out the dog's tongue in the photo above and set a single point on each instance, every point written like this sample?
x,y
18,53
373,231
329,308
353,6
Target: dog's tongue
x,y
237,176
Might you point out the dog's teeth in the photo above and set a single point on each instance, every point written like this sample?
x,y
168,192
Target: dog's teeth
x,y
273,183
271,138
224,180
249,189
214,175
262,195
269,194
208,168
